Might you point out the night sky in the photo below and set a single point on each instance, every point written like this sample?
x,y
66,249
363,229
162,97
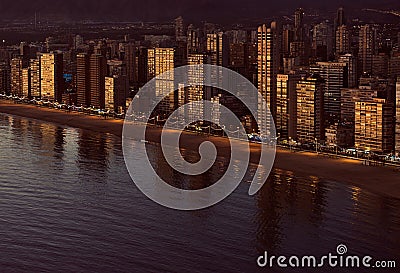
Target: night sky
x,y
159,10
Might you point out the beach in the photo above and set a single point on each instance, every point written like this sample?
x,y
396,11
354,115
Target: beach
x,y
380,180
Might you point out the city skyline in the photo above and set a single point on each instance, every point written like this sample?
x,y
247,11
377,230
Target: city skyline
x,y
304,70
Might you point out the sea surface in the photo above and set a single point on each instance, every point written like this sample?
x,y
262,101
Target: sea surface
x,y
67,203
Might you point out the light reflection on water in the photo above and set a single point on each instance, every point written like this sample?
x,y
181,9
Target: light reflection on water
x,y
67,203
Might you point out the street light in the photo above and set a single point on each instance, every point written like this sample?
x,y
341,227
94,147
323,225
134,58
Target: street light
x,y
316,145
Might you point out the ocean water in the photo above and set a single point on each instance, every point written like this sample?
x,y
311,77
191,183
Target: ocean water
x,y
67,203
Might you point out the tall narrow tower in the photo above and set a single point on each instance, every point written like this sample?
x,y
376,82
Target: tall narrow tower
x,y
268,68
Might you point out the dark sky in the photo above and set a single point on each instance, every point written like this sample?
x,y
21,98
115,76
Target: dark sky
x,y
157,10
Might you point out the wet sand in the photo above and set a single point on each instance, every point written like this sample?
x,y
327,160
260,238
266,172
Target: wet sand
x,y
380,180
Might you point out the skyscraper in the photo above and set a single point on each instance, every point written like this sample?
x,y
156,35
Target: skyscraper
x,y
98,72
159,61
335,77
217,49
5,78
83,79
194,44
51,76
26,82
35,77
268,68
196,90
351,61
366,48
16,76
310,110
374,125
323,41
131,63
299,25
179,29
342,40
116,91
286,118
340,18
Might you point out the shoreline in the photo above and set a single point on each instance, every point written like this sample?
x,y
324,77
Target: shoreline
x,y
380,180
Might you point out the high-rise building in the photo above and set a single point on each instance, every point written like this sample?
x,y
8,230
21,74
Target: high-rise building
x,y
366,49
116,91
342,40
310,110
194,44
217,48
374,125
286,116
98,72
131,62
51,76
268,69
340,18
35,77
196,90
348,99
26,82
299,25
335,77
16,76
287,39
5,78
351,61
397,136
323,41
179,29
83,79
243,59
160,61
380,65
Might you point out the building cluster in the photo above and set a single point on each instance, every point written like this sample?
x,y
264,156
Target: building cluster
x,y
334,82
331,83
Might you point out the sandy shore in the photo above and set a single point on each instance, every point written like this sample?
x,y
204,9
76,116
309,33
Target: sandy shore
x,y
381,180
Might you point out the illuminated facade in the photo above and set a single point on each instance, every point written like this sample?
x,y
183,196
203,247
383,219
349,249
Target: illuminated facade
x,y
16,77
268,68
349,96
286,115
51,77
26,82
196,90
116,89
35,78
215,48
109,93
374,125
160,61
310,111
